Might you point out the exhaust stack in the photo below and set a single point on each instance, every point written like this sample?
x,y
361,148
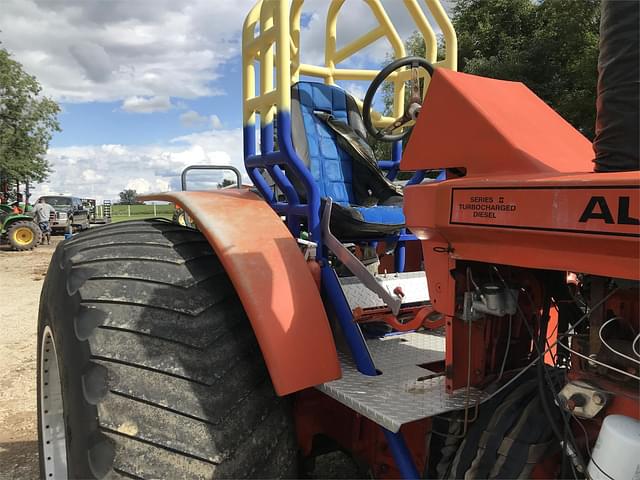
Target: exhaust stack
x,y
617,140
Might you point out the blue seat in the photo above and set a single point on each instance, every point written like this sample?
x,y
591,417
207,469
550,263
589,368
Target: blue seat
x,y
331,167
383,214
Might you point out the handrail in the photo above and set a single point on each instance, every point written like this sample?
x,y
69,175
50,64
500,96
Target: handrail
x,y
183,176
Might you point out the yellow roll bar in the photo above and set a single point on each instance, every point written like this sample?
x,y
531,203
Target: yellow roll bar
x,y
271,40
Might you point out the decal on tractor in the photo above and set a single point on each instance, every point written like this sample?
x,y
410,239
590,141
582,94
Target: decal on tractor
x,y
597,210
487,207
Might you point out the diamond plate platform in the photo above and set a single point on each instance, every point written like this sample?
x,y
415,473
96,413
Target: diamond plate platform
x,y
401,394
413,284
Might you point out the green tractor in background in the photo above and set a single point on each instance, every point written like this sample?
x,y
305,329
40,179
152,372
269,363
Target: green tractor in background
x,y
18,229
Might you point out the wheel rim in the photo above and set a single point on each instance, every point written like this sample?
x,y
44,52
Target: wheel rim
x,y
23,236
53,432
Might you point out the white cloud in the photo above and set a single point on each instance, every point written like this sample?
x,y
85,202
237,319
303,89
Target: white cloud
x,y
88,50
216,123
142,185
99,50
109,50
354,20
101,171
146,104
90,175
93,59
356,89
192,119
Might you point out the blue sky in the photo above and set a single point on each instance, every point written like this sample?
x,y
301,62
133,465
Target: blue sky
x,y
150,86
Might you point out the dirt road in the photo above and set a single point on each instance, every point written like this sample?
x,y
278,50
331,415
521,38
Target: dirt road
x,y
21,279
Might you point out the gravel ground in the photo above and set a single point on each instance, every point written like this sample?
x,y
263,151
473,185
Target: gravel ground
x,y
21,278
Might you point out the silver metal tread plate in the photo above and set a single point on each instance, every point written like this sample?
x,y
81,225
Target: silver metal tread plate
x,y
413,284
397,396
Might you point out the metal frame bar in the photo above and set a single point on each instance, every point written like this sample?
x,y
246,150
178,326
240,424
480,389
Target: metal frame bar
x,y
350,329
401,454
279,24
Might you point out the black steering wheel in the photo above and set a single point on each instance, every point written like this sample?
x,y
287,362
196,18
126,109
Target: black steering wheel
x,y
413,106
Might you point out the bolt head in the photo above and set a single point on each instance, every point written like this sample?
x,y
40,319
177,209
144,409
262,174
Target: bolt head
x,y
598,399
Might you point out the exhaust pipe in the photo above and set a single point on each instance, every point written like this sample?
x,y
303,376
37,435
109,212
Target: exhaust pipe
x,y
617,140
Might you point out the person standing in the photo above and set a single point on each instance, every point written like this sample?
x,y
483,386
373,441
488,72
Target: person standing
x,y
42,214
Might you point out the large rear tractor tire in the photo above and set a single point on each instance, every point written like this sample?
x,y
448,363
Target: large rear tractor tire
x,y
148,366
24,235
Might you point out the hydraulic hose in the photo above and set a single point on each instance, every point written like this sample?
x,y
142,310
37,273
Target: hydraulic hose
x,y
543,387
544,392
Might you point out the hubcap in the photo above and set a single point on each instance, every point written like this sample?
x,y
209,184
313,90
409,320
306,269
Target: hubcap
x,y
23,236
53,433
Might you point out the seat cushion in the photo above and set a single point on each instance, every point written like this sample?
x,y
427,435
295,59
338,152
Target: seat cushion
x,y
354,222
385,215
331,166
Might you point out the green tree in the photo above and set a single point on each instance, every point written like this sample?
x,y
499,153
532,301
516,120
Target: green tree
x,y
551,46
27,123
128,197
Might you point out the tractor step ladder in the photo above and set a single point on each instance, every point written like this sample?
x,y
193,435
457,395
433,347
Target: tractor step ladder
x,y
406,390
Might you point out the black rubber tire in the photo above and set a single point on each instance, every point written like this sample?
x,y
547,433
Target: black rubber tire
x,y
507,439
35,230
161,373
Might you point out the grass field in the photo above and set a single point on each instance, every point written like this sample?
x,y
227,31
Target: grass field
x,y
121,213
123,210
123,218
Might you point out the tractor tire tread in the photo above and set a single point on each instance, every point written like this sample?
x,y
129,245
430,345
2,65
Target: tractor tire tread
x,y
135,251
165,359
107,234
197,270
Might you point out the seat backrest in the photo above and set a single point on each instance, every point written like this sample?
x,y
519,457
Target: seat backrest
x,y
331,167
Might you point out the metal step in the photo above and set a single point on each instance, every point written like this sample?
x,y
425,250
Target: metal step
x,y
403,393
413,285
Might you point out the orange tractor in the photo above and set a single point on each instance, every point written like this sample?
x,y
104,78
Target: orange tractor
x,y
479,321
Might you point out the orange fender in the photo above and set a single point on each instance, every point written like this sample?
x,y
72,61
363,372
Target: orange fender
x,y
274,284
